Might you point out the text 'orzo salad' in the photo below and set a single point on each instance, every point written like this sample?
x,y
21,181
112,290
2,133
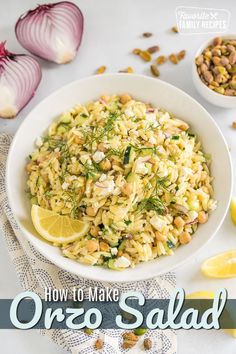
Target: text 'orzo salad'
x,y
133,175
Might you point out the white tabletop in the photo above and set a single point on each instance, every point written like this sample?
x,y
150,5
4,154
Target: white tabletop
x,y
112,30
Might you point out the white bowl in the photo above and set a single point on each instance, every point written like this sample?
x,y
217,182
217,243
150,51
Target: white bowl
x,y
211,96
149,90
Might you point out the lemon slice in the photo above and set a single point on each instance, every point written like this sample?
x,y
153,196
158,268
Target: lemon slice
x,y
222,265
201,295
57,228
233,210
210,295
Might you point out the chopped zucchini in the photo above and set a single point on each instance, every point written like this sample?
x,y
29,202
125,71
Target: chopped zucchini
x,y
127,155
65,118
175,137
112,266
170,244
80,119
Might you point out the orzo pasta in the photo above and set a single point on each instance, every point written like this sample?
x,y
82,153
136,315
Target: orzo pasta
x,y
134,172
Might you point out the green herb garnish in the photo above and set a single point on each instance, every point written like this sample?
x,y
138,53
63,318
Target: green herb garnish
x,y
175,137
128,222
153,203
90,171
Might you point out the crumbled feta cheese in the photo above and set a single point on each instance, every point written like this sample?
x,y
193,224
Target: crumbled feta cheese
x,y
157,222
162,170
140,167
98,156
103,177
114,251
152,119
164,117
188,149
129,112
122,262
104,188
65,185
152,140
39,142
212,204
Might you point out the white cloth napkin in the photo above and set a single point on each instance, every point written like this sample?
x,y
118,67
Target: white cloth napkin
x,y
35,273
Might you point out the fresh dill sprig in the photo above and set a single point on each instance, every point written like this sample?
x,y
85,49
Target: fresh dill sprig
x,y
153,203
116,152
57,144
91,171
98,133
159,184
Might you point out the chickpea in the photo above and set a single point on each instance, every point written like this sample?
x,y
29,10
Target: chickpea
x,y
79,140
91,246
91,211
102,147
104,247
105,165
127,188
125,98
160,237
94,230
202,217
185,237
179,222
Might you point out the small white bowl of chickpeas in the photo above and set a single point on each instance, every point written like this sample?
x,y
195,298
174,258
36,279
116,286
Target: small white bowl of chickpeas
x,y
214,70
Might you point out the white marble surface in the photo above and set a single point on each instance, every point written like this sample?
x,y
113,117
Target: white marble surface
x,y
112,30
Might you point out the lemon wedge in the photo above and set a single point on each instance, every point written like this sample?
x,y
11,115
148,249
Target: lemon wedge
x,y
57,228
209,295
233,210
201,295
222,265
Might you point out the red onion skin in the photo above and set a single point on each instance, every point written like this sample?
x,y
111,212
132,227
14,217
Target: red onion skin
x,y
51,28
20,75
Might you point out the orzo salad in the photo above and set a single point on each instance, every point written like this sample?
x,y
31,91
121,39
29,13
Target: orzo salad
x,y
134,174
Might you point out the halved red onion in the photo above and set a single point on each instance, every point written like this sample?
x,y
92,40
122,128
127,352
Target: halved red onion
x,y
52,31
20,76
